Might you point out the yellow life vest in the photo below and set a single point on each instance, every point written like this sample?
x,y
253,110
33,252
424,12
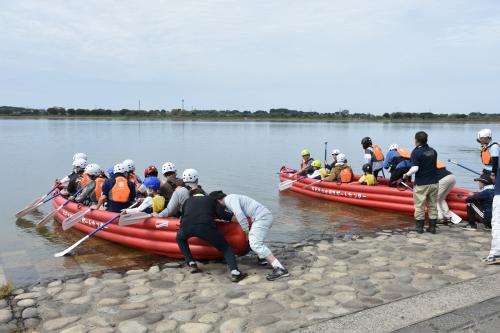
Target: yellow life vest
x,y
158,203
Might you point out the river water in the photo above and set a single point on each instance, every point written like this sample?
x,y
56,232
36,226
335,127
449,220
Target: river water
x,y
237,157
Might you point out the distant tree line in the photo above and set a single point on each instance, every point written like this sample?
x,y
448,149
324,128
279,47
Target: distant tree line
x,y
278,114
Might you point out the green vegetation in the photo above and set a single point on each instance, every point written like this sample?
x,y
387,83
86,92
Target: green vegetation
x,y
273,114
5,289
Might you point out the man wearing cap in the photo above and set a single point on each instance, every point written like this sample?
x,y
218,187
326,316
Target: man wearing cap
x,y
480,204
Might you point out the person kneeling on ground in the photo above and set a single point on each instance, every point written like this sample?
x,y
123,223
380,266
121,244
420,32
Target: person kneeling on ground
x,y
91,192
315,172
181,194
368,178
154,202
197,220
243,208
118,192
342,172
480,204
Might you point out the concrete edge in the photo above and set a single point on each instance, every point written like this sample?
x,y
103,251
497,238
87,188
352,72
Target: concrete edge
x,y
414,309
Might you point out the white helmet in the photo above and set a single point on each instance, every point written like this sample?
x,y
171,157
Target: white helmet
x,y
93,169
129,165
168,167
190,176
394,146
78,156
484,133
119,168
341,158
335,152
80,163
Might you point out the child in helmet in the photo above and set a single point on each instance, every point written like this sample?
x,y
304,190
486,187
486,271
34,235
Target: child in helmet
x,y
130,168
117,192
168,187
305,164
342,172
71,183
154,202
368,178
315,171
88,195
150,171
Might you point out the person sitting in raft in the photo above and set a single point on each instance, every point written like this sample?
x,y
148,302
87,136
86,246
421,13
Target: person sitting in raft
x,y
181,194
490,151
91,192
71,183
373,155
150,171
315,171
342,172
305,164
335,153
244,207
154,202
397,161
368,178
167,189
197,220
130,168
63,183
118,192
479,205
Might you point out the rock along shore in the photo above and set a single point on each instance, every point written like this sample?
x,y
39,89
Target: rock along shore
x,y
329,278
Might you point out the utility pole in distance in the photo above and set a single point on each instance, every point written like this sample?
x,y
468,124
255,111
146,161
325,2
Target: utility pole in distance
x,y
139,105
182,104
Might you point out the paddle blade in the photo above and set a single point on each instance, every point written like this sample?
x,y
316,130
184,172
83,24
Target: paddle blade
x,y
28,209
286,185
69,222
47,218
71,248
455,219
133,218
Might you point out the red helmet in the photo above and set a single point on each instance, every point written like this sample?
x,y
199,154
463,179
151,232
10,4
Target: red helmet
x,y
150,171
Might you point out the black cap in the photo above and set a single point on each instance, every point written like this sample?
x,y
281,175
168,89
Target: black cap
x,y
484,179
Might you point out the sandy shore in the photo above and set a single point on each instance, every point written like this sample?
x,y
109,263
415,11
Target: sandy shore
x,y
329,278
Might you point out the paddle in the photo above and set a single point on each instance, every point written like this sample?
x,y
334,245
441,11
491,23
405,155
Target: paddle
x,y
72,247
288,183
463,166
53,213
477,210
29,209
70,221
455,219
20,213
312,184
133,218
326,145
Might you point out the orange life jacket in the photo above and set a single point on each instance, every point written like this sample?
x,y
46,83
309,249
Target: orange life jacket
x,y
303,164
440,165
346,175
134,179
379,156
98,187
120,191
485,154
85,180
404,153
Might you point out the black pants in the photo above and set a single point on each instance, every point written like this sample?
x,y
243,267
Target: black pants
x,y
210,234
472,216
396,175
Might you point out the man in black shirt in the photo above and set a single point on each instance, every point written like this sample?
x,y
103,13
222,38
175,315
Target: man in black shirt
x,y
425,192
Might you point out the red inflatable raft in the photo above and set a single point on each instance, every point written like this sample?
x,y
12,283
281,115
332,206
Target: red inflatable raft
x,y
155,235
379,196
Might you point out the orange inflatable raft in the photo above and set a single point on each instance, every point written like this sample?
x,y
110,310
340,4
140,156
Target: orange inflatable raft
x,y
155,235
380,196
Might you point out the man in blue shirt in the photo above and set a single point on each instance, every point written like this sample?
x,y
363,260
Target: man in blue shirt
x,y
425,192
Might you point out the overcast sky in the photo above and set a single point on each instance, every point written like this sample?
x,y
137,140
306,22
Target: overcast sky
x,y
364,55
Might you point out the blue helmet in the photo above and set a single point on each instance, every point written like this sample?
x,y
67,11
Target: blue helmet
x,y
110,172
152,183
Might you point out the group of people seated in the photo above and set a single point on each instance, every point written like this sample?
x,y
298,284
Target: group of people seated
x,y
398,162
119,189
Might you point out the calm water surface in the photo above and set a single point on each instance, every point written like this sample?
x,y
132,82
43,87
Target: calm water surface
x,y
237,157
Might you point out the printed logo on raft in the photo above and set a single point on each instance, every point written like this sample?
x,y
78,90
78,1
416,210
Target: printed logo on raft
x,y
338,193
86,221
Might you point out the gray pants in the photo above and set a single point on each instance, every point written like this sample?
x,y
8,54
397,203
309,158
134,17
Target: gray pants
x,y
495,227
425,195
446,184
257,235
